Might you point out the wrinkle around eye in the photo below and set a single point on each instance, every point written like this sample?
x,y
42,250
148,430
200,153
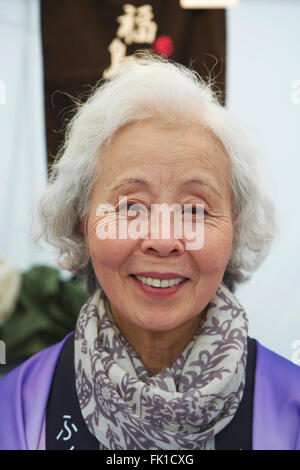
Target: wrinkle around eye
x,y
99,221
222,223
92,229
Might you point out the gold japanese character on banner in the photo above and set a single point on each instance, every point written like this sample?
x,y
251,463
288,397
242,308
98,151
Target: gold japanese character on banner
x,y
136,26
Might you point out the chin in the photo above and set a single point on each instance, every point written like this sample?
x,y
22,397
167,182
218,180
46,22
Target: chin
x,y
159,326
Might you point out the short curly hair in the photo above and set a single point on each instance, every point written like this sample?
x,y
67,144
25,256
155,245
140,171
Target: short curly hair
x,y
151,87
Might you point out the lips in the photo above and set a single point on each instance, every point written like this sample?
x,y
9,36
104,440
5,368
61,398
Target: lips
x,y
156,275
156,289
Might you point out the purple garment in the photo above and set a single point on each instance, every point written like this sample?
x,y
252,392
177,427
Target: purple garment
x,y
23,398
276,414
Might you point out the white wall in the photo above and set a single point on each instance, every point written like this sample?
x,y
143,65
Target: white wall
x,y
263,64
22,130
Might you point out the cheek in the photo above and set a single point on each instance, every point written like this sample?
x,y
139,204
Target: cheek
x,y
109,254
216,251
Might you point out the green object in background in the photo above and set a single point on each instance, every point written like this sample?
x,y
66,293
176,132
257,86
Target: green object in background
x,y
46,310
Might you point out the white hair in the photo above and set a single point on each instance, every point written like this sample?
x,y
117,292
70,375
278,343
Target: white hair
x,y
150,87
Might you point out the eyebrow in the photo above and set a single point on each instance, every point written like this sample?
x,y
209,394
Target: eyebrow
x,y
129,181
145,183
203,183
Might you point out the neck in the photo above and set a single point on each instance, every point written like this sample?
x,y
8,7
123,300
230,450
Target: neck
x,y
156,350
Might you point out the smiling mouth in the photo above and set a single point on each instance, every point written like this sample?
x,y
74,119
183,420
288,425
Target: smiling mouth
x,y
159,283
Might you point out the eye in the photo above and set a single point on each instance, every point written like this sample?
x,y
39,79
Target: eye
x,y
131,206
194,210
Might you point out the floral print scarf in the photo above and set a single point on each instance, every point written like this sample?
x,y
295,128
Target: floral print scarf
x,y
183,406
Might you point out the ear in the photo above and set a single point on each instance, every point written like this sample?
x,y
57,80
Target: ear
x,y
82,228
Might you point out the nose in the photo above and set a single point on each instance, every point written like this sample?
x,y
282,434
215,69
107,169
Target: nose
x,y
164,236
162,247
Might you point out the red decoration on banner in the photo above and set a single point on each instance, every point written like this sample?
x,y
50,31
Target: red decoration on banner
x,y
163,45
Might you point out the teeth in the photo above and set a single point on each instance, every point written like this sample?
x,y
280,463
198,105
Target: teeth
x,y
160,282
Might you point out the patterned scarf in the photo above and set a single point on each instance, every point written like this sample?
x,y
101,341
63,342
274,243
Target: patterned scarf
x,y
183,406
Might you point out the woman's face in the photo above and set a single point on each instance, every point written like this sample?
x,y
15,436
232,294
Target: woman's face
x,y
160,163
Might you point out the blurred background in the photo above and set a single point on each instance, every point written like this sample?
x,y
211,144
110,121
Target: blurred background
x,y
53,50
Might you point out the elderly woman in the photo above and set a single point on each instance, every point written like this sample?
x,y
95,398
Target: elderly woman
x,y
160,357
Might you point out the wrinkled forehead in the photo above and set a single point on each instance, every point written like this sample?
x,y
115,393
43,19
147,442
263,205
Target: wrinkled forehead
x,y
165,147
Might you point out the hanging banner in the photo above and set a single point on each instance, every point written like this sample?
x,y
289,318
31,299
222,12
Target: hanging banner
x,y
194,4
